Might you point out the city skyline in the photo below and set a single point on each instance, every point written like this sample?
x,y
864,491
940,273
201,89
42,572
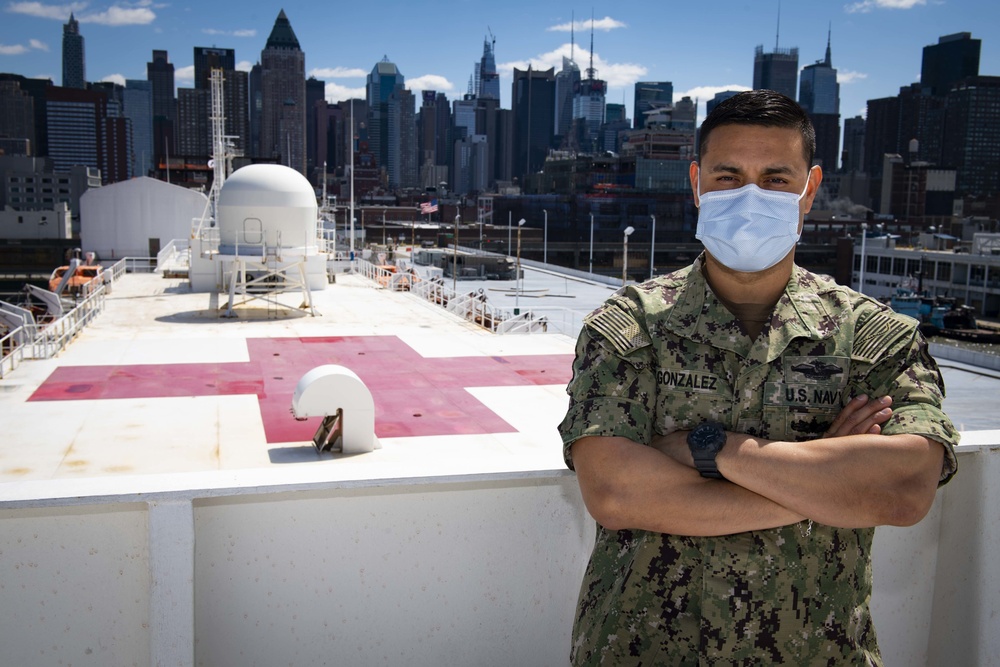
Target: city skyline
x,y
876,44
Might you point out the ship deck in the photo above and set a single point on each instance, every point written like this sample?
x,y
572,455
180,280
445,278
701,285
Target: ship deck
x,y
159,504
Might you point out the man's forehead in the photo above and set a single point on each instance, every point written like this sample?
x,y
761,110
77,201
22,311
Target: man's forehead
x,y
736,144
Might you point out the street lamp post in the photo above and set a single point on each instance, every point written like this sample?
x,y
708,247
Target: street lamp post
x,y
517,284
861,277
652,248
454,264
591,243
383,226
508,232
628,232
545,239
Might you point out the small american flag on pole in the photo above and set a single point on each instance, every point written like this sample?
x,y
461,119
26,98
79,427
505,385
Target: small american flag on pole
x,y
429,207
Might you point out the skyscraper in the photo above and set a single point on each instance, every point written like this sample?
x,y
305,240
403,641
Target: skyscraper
x,y
650,95
971,136
138,107
315,99
567,80
952,59
402,139
853,156
588,104
17,116
819,96
160,74
777,70
74,72
533,105
283,97
207,58
384,78
486,73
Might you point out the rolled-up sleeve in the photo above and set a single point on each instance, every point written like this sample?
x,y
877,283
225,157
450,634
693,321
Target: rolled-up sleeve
x,y
611,392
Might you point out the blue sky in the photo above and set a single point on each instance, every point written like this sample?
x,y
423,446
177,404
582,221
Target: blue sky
x,y
701,47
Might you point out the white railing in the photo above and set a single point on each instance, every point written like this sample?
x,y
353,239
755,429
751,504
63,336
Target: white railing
x,y
174,249
12,350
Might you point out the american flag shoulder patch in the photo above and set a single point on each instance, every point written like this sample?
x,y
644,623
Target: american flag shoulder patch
x,y
618,328
879,332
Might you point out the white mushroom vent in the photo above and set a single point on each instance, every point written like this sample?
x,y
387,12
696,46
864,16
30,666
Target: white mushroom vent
x,y
339,396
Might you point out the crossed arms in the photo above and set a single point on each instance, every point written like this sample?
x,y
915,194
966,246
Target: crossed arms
x,y
852,477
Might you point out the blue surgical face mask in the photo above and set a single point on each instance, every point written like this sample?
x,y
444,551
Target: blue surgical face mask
x,y
748,229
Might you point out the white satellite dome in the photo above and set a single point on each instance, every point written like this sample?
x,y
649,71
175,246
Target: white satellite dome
x,y
267,204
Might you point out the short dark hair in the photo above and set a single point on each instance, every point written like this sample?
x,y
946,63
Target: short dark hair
x,y
765,108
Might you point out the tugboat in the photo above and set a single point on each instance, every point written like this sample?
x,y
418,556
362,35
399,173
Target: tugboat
x,y
942,316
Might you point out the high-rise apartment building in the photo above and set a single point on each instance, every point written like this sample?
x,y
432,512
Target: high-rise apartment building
x,y
971,136
533,105
952,59
315,99
650,95
194,129
777,70
283,97
819,96
74,71
718,99
383,80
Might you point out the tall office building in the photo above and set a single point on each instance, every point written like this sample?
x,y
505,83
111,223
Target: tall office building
x,y
971,136
401,167
819,96
853,156
777,70
952,59
487,78
74,71
84,128
137,103
567,81
718,99
650,95
283,97
533,106
315,99
160,74
194,130
588,105
207,58
17,116
384,78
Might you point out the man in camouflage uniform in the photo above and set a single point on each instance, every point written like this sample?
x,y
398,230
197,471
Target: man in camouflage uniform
x,y
772,563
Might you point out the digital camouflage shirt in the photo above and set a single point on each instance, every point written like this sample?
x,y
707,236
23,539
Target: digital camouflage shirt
x,y
666,355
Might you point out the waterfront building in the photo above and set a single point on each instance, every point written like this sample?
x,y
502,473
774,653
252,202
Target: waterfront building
x,y
283,97
776,70
74,69
650,95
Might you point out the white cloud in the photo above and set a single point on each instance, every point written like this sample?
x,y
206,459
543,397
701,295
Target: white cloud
x,y
117,16
606,24
115,78
12,49
230,33
43,11
184,75
430,82
866,6
337,73
338,93
847,77
618,75
36,44
244,66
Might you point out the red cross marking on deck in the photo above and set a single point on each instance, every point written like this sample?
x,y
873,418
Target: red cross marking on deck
x,y
414,395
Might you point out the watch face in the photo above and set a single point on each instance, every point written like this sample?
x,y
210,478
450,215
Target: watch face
x,y
707,437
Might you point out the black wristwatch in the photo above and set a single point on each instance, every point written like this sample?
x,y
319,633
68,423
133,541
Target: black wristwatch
x,y
706,440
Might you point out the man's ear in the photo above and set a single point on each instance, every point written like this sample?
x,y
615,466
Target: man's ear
x,y
695,175
812,188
